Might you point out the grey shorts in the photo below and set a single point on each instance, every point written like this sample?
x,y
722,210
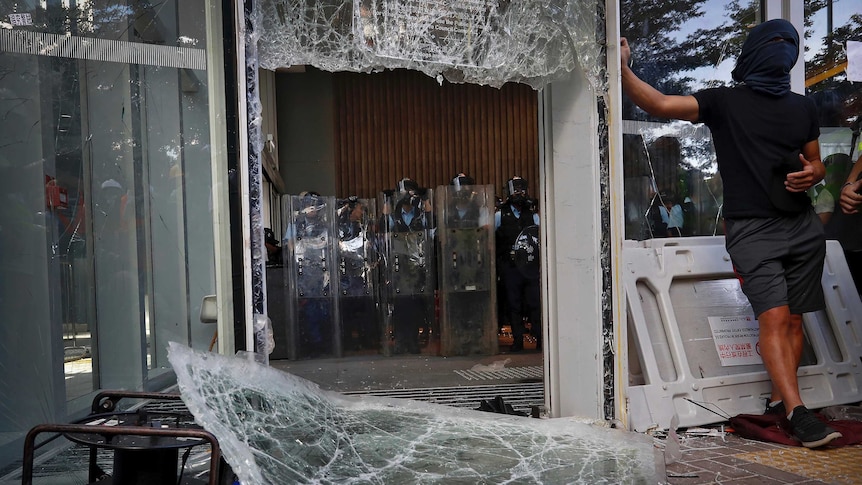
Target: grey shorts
x,y
779,261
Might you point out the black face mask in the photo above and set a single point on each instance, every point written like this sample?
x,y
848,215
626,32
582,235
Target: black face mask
x,y
518,199
764,64
408,203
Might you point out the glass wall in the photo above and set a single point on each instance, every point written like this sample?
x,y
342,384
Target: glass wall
x,y
671,181
672,184
829,26
106,225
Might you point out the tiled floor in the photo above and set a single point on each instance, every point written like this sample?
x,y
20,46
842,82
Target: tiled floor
x,y
734,460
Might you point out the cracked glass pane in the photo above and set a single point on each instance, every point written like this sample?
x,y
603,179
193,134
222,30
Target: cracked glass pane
x,y
681,147
488,42
274,427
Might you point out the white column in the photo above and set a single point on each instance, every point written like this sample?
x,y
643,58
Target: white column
x,y
571,229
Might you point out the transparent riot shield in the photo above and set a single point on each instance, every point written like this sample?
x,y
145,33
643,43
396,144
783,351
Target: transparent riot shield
x,y
357,272
309,260
468,306
408,274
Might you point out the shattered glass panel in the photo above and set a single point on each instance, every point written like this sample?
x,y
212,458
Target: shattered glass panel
x,y
671,173
488,42
274,427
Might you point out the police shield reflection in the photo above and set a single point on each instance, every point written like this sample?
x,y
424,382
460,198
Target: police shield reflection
x,y
357,276
309,254
525,252
468,320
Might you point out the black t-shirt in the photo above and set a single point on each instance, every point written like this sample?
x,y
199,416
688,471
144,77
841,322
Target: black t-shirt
x,y
754,134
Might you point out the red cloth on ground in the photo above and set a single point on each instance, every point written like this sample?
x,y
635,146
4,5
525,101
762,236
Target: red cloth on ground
x,y
776,429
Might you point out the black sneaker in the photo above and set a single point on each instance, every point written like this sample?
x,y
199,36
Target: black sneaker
x,y
809,430
778,409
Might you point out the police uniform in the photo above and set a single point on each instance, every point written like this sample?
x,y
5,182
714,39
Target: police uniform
x,y
518,262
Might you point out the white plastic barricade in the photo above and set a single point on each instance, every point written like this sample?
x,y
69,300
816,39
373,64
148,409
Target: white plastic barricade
x,y
693,339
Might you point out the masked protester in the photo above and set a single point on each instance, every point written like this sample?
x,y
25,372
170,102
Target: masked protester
x,y
765,139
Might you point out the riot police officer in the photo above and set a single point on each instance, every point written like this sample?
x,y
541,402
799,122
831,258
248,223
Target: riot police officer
x,y
518,263
467,310
357,269
407,232
309,259
465,211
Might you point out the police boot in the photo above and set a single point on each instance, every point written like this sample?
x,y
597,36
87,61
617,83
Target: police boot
x,y
517,343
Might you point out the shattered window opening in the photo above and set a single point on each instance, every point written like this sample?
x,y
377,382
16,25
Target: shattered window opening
x,y
274,427
486,42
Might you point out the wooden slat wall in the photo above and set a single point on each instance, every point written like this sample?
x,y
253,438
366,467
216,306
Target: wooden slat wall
x,y
402,123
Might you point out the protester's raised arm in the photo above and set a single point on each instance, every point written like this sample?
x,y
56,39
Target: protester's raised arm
x,y
652,100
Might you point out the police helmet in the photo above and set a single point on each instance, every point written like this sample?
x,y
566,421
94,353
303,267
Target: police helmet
x,y
462,180
348,205
311,203
516,185
407,185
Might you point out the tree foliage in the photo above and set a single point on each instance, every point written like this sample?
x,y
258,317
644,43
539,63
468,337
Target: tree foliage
x,y
667,47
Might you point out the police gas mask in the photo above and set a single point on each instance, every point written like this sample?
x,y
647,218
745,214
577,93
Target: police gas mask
x,y
517,189
408,203
462,181
415,201
463,198
311,207
463,193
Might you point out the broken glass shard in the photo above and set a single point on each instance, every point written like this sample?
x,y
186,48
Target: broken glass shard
x,y
488,42
274,427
